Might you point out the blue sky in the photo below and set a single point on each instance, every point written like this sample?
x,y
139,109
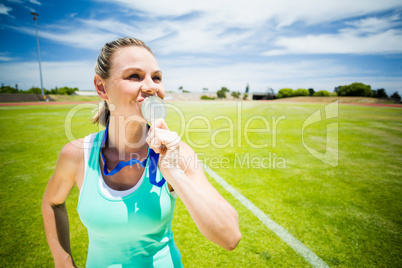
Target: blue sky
x,y
210,44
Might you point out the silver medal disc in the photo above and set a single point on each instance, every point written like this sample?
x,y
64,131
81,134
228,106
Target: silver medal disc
x,y
153,108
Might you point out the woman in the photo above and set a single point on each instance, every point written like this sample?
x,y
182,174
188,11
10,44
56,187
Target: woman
x,y
128,218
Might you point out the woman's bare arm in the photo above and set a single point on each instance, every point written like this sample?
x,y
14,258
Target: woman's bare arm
x,y
216,219
53,205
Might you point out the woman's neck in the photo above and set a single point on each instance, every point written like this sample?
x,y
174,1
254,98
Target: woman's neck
x,y
127,139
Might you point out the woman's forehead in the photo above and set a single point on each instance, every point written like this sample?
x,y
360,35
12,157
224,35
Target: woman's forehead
x,y
133,57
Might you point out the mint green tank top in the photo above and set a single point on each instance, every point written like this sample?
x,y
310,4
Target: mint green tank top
x,y
130,231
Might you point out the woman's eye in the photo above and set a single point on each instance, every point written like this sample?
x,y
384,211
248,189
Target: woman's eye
x,y
157,78
134,76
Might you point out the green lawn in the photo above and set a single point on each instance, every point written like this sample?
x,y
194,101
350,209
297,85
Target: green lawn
x,y
349,215
67,98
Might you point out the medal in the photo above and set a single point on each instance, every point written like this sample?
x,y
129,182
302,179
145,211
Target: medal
x,y
153,108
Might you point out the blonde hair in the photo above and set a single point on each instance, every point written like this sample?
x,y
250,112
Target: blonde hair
x,y
103,66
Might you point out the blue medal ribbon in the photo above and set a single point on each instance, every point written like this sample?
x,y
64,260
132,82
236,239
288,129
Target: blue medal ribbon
x,y
152,167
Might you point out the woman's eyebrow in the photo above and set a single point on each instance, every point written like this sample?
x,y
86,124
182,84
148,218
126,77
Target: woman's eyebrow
x,y
128,70
132,69
158,72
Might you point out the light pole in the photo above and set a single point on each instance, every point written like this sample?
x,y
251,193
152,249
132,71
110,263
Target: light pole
x,y
37,43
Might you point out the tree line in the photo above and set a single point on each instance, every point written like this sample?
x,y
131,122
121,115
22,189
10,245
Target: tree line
x,y
37,90
354,89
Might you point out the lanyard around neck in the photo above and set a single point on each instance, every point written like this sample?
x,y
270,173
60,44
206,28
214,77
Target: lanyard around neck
x,y
152,165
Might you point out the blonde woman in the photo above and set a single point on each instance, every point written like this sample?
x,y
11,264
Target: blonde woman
x,y
127,199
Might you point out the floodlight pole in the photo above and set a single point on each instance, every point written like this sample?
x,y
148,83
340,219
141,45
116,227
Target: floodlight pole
x,y
37,43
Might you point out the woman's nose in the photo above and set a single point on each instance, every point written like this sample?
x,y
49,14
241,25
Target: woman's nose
x,y
149,86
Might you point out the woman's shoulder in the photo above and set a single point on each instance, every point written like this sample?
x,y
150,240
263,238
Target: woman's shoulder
x,y
74,150
72,153
70,163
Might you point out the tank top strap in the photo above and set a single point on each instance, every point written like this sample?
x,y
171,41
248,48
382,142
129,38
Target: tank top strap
x,y
91,147
93,160
87,145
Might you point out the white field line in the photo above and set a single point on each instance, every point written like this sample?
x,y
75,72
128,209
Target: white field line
x,y
295,244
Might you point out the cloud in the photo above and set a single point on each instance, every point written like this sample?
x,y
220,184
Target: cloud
x,y
320,74
5,10
257,12
219,43
375,24
92,34
71,36
194,76
224,28
207,73
4,56
72,74
15,1
275,74
366,36
36,2
228,27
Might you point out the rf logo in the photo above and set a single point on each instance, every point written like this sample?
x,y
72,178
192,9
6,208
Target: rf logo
x,y
330,156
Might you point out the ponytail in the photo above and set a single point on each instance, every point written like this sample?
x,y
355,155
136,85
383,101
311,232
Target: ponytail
x,y
102,114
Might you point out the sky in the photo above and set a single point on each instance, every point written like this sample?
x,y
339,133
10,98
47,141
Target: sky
x,y
319,44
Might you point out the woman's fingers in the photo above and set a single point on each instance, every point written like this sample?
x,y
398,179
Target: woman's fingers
x,y
158,137
159,123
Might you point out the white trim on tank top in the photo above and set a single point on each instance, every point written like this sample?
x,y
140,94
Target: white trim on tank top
x,y
87,145
111,193
106,190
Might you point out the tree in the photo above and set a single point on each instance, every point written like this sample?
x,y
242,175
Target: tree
x,y
34,90
8,89
300,92
181,88
322,93
245,96
380,93
205,89
336,90
311,92
355,89
66,90
396,97
285,93
235,94
222,93
247,89
205,97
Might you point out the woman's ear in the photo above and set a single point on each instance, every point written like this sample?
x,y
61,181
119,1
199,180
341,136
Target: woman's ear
x,y
100,87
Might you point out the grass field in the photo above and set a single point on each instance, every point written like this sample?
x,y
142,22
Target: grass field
x,y
68,98
349,215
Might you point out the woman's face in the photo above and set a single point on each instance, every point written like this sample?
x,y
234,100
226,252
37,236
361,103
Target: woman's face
x,y
134,75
